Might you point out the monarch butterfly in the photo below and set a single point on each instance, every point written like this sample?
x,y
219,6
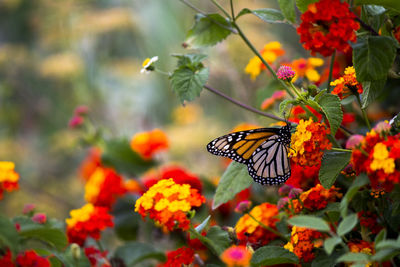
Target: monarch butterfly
x,y
263,150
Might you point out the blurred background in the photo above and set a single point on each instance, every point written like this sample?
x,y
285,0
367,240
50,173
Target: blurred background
x,y
57,55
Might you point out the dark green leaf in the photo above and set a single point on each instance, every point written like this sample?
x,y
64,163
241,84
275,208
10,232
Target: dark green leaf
x,y
309,222
302,5
201,226
371,90
219,238
330,105
330,244
136,252
8,234
269,15
119,155
188,83
288,9
380,237
189,59
271,255
234,180
73,256
332,163
53,237
353,257
392,4
347,224
373,56
373,15
208,30
126,222
357,184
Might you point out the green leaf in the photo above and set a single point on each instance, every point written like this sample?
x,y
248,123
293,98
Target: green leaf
x,y
331,165
188,60
371,90
385,255
234,180
119,155
269,15
380,237
288,9
220,239
347,224
136,252
188,83
126,222
330,244
373,56
392,4
283,105
353,257
53,237
330,105
201,226
271,255
8,234
69,257
357,184
385,244
302,5
208,30
309,222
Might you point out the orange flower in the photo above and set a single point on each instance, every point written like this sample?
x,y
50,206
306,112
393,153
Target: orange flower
x,y
87,221
237,256
248,229
90,163
276,96
306,68
8,177
270,53
167,203
361,247
308,143
347,84
318,197
147,144
303,241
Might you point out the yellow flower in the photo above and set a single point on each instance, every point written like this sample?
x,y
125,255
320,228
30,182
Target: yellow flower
x,y
382,160
7,173
92,187
299,137
80,215
306,68
270,53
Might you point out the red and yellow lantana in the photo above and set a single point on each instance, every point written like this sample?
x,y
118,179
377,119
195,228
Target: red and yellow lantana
x,y
347,84
149,143
236,256
8,177
303,241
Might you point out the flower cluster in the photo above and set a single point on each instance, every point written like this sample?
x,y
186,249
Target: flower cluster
x,y
90,163
377,155
168,203
104,187
6,258
248,227
96,257
369,220
347,84
146,144
327,25
276,96
303,176
237,256
285,73
79,117
306,68
308,143
87,221
30,258
361,246
181,257
303,241
270,53
8,177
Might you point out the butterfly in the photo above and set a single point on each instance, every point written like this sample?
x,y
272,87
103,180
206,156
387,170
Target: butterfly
x,y
263,150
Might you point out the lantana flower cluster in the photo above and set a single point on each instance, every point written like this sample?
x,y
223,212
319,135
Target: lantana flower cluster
x,y
347,84
8,177
146,144
168,204
249,229
180,257
303,241
377,155
236,256
28,258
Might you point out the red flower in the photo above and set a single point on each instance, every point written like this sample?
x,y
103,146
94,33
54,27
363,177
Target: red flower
x,y
29,258
6,259
303,241
326,26
96,257
369,220
90,163
179,257
303,177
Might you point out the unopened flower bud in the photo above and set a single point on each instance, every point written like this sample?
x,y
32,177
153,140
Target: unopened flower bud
x,y
39,218
285,73
75,251
295,192
243,206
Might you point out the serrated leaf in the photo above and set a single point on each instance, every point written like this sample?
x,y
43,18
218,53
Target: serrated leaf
x,y
371,90
189,59
208,30
53,237
330,105
201,226
330,244
219,238
8,234
288,9
309,222
302,5
271,255
392,4
353,257
331,165
188,83
119,155
234,180
269,15
357,184
347,224
135,252
373,56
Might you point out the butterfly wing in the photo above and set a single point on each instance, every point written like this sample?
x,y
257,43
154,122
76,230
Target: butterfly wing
x,y
269,163
240,146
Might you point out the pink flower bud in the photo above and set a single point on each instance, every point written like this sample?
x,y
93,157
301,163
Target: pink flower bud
x,y
295,192
243,206
28,208
81,110
382,126
282,202
39,218
76,121
285,189
354,141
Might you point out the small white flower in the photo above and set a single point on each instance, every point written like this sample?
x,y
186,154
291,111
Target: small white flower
x,y
147,65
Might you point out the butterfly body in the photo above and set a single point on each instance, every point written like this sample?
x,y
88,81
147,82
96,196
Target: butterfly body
x,y
263,150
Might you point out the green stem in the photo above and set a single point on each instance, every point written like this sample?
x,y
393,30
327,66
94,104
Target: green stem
x,y
333,140
267,227
341,149
232,11
99,245
363,112
296,91
206,241
331,70
221,8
